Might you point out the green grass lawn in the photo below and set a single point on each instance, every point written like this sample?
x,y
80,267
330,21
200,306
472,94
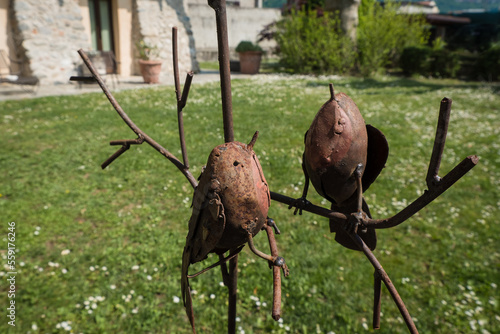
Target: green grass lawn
x,y
100,251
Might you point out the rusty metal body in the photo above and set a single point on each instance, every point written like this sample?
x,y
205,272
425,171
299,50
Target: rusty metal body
x,y
230,207
232,200
335,144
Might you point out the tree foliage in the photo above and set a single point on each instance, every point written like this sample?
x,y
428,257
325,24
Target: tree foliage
x,y
309,43
383,34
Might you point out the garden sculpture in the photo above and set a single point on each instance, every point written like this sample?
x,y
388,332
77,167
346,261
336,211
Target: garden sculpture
x,y
342,157
338,146
353,219
230,206
230,202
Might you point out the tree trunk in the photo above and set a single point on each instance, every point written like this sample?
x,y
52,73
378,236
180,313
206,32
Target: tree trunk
x,y
348,12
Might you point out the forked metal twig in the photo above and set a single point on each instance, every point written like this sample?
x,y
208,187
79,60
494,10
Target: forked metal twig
x,y
436,187
141,135
181,99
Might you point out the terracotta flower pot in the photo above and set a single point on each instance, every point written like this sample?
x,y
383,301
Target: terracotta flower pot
x,y
150,70
250,62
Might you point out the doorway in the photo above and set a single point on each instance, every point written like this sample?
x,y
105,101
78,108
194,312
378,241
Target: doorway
x,y
101,27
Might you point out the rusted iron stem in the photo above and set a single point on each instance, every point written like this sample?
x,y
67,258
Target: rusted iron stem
x,y
125,146
185,91
181,99
258,252
276,311
126,142
82,79
225,75
176,64
429,195
337,216
222,260
219,7
377,292
115,155
439,141
141,134
388,283
233,295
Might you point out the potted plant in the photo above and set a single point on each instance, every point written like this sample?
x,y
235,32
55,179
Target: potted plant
x,y
149,64
250,57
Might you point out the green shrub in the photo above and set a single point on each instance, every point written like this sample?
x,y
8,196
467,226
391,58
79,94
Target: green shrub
x,y
244,46
415,60
311,44
488,65
383,34
444,64
426,61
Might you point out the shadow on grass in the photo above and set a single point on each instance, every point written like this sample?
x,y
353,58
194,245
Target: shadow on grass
x,y
408,85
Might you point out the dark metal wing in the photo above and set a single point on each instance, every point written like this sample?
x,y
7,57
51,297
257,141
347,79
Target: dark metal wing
x,y
378,151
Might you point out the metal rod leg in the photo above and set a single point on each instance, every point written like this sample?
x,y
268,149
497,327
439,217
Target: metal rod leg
x,y
377,291
233,295
388,283
276,312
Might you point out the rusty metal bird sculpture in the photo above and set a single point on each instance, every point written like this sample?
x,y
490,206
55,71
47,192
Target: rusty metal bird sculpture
x,y
230,206
339,149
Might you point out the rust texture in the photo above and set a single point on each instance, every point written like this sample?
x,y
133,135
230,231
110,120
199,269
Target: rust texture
x,y
335,144
230,207
350,219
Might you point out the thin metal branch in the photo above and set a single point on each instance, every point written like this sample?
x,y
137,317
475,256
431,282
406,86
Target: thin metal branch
x,y
125,146
308,206
82,79
176,62
428,196
185,91
377,292
127,142
276,312
115,155
181,99
232,294
387,281
439,141
141,134
219,7
218,263
341,218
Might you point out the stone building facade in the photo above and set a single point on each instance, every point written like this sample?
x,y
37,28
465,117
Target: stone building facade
x,y
244,22
46,34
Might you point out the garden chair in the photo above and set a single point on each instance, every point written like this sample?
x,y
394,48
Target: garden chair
x,y
16,77
106,65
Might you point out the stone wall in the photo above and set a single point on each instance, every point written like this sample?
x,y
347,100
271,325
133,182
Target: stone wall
x,y
48,33
244,24
153,21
